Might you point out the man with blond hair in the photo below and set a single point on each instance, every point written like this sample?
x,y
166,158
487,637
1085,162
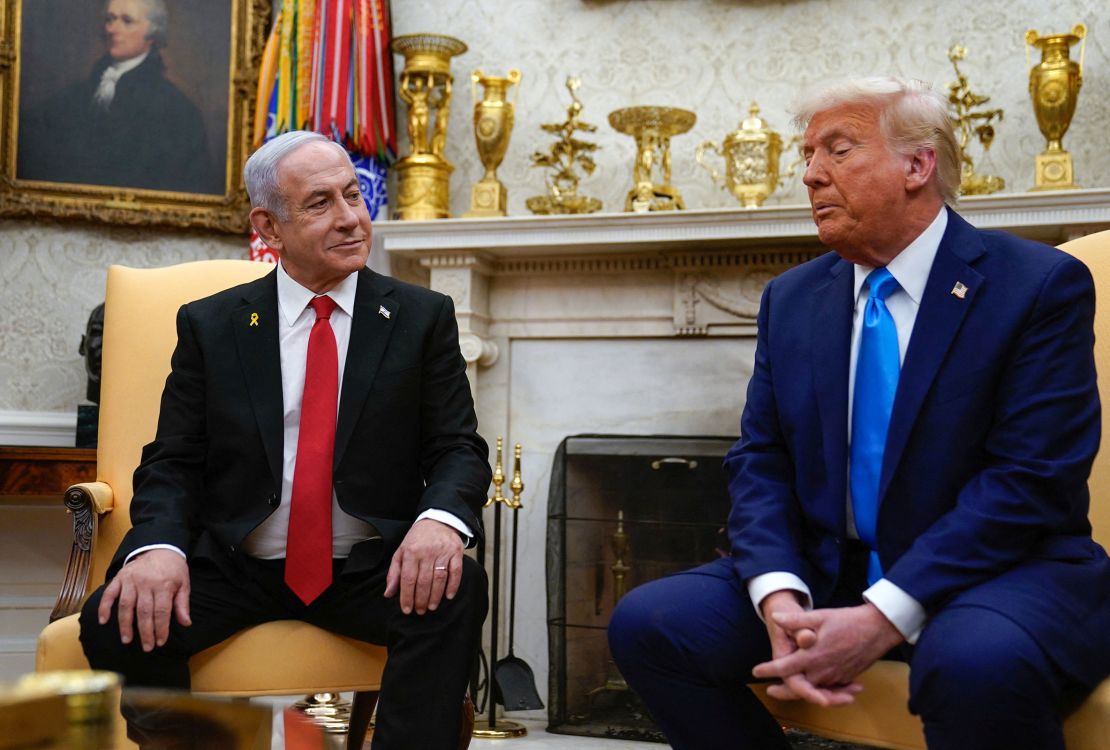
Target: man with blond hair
x,y
911,477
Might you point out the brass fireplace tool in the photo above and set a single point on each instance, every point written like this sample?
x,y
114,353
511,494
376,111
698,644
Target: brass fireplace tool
x,y
510,670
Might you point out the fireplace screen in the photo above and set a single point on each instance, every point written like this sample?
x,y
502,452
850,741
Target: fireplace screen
x,y
622,510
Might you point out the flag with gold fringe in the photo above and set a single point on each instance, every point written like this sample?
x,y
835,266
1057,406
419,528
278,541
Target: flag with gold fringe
x,y
327,67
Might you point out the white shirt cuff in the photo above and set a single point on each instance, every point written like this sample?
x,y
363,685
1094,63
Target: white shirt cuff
x,y
149,547
761,586
904,612
451,520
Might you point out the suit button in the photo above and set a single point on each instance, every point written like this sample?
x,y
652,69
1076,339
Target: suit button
x,y
273,501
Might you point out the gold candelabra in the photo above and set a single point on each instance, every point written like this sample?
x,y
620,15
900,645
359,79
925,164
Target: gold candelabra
x,y
968,122
564,158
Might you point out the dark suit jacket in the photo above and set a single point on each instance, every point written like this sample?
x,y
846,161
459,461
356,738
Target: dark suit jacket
x,y
151,136
406,437
983,492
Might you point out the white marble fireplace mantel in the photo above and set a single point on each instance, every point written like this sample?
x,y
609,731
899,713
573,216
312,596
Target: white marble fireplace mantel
x,y
681,273
631,324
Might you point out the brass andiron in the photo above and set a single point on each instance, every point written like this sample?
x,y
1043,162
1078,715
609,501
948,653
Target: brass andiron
x,y
563,158
966,122
653,128
493,126
751,154
494,728
1054,85
618,542
425,86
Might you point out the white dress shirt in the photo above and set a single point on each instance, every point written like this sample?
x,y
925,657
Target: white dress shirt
x,y
296,318
910,268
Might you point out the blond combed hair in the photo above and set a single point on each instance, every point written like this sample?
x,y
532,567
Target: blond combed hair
x,y
911,116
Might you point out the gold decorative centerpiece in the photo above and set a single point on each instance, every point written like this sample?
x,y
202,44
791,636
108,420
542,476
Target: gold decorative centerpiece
x,y
966,121
425,88
653,128
493,125
1054,85
563,158
751,154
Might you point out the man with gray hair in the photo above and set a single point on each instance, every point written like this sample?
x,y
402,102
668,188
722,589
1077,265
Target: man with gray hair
x,y
126,124
911,476
317,459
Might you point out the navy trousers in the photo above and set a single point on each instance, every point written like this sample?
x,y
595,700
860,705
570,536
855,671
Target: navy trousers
x,y
687,644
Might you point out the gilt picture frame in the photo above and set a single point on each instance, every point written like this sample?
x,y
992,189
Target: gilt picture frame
x,y
102,124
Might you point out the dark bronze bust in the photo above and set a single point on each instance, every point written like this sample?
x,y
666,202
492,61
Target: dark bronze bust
x,y
92,347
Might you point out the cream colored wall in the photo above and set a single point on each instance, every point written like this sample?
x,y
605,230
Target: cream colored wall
x,y
711,56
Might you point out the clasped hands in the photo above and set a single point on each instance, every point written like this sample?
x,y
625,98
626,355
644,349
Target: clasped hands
x,y
819,654
154,585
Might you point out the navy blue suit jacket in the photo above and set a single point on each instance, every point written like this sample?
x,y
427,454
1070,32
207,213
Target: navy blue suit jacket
x,y
983,492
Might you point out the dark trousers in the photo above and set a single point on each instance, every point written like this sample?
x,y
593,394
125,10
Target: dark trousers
x,y
430,655
687,644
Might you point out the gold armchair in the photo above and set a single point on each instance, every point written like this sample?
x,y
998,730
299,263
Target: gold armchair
x,y
139,336
879,716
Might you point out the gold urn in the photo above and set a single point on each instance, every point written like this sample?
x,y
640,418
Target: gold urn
x,y
751,154
1054,85
493,126
425,87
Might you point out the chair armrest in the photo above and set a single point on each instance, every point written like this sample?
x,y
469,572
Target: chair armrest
x,y
87,502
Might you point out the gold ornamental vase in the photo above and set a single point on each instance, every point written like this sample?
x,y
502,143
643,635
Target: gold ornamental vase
x,y
493,126
653,128
425,87
751,154
1054,86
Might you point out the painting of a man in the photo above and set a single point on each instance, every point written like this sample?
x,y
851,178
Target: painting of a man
x,y
127,124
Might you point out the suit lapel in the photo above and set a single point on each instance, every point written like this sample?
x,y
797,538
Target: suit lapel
x,y
370,333
255,324
831,329
938,320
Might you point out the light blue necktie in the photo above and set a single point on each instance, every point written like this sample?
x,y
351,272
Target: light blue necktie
x,y
877,367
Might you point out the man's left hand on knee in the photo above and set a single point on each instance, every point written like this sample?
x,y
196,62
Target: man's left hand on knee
x,y
426,567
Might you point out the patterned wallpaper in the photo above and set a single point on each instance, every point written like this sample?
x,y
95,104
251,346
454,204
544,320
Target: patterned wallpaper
x,y
51,276
710,56
714,56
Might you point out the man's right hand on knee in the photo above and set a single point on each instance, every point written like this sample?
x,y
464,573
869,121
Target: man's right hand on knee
x,y
149,589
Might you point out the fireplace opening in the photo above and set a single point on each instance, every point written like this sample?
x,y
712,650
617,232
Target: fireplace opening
x,y
622,510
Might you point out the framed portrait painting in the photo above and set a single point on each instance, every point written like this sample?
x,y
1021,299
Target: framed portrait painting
x,y
128,111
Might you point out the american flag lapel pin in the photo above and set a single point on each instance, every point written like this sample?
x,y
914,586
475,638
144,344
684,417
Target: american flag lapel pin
x,y
383,312
959,291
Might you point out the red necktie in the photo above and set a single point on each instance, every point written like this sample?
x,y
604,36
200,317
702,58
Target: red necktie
x,y
308,544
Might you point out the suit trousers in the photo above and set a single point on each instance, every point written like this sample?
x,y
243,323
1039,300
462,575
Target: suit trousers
x,y
430,655
687,644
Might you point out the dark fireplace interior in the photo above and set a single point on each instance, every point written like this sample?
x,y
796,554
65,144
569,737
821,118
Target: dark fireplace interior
x,y
622,510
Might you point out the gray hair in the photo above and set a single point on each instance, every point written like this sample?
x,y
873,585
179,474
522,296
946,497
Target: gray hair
x,y
911,116
158,18
260,171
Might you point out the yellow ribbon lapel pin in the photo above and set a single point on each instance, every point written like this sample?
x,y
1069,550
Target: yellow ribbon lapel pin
x,y
254,319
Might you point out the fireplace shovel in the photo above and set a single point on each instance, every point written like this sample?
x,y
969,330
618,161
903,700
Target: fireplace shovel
x,y
514,680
